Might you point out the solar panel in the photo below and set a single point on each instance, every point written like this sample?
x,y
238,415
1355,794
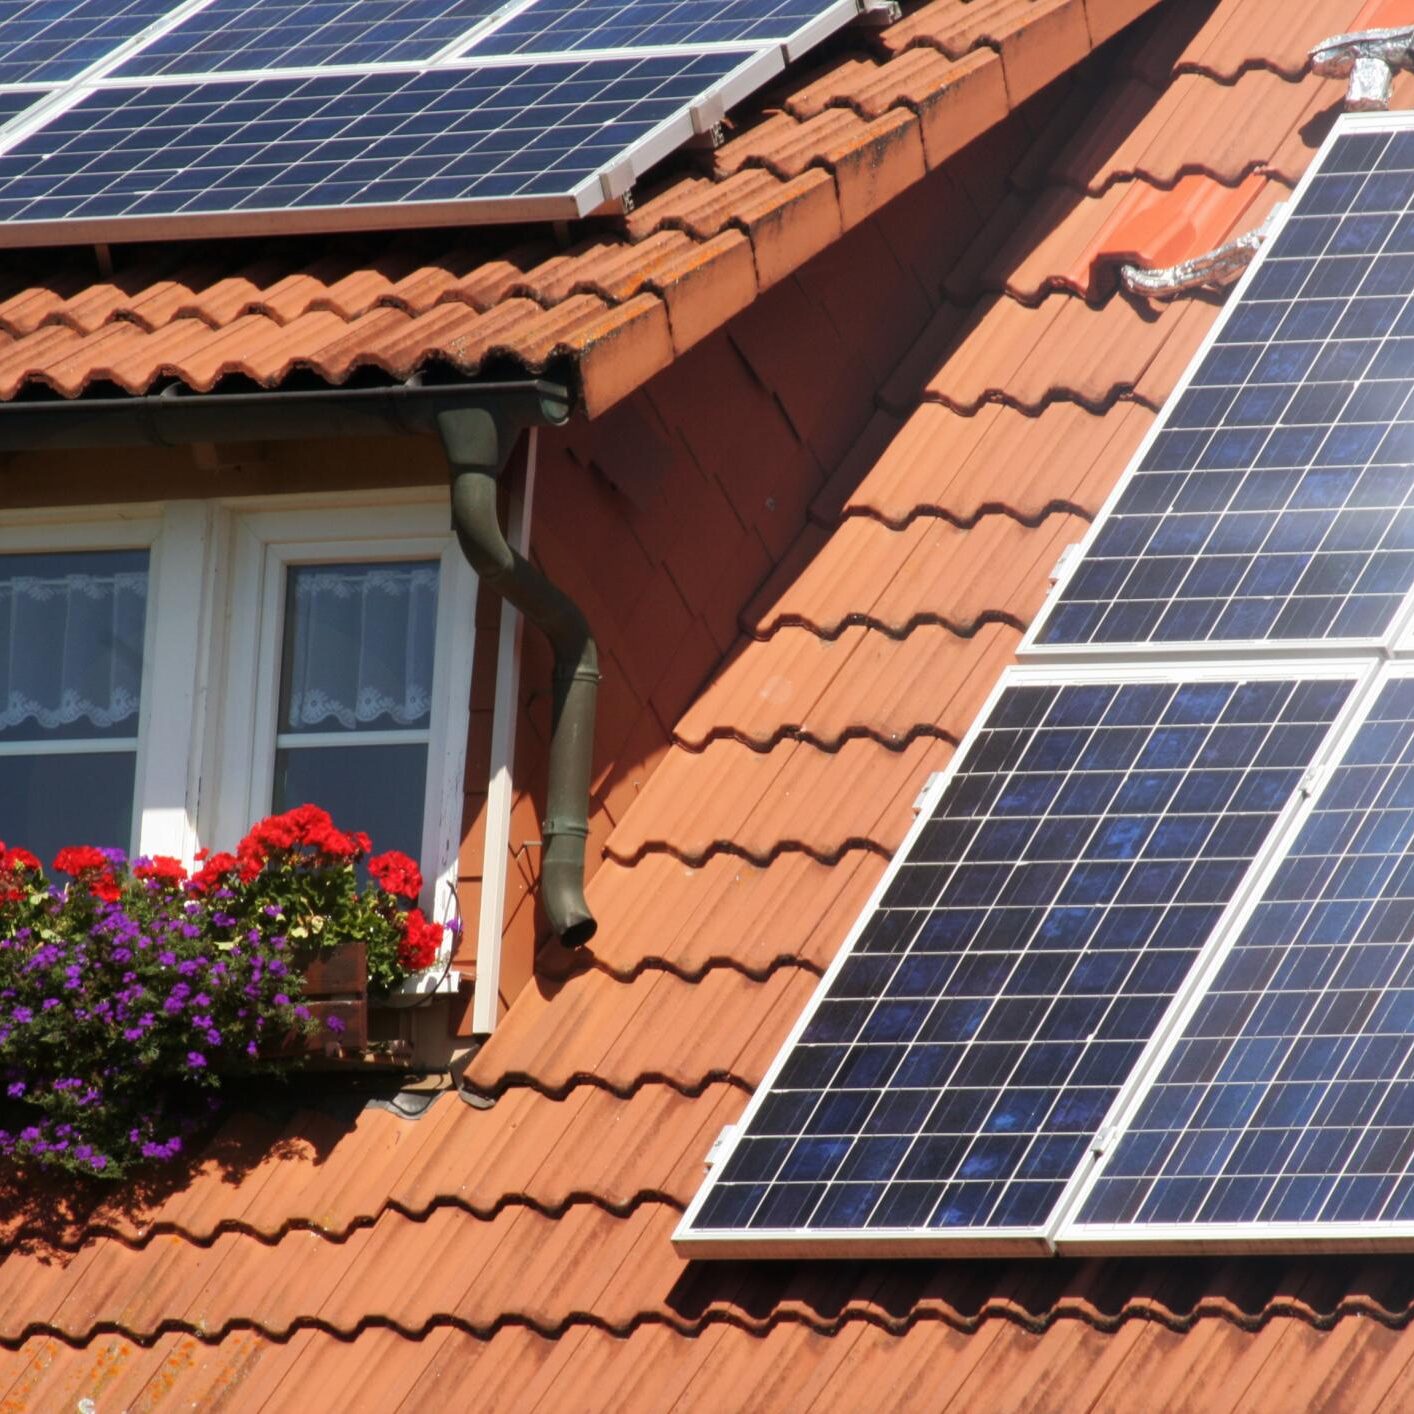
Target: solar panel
x,y
561,25
407,141
1288,1097
270,34
1275,503
45,42
306,115
965,1048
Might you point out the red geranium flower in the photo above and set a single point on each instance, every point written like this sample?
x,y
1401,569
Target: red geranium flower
x,y
14,860
162,867
104,886
305,825
79,859
397,873
215,870
421,940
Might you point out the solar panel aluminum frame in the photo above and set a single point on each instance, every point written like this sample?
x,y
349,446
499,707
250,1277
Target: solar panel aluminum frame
x,y
606,188
691,1241
1074,1238
1031,648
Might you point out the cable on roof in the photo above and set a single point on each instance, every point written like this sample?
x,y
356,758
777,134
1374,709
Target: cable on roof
x,y
1212,270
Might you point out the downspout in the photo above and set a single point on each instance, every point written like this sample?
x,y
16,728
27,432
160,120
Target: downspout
x,y
478,444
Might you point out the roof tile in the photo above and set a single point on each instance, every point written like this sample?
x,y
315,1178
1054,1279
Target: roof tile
x,y
929,572
658,1027
944,463
862,683
793,797
725,910
704,285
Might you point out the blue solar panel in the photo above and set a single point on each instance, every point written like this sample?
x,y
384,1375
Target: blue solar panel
x,y
42,41
1277,501
961,1058
1289,1097
555,26
13,104
268,34
390,139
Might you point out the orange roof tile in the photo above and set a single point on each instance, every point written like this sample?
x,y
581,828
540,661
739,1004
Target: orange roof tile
x,y
520,1253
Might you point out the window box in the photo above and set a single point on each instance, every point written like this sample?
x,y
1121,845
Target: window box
x,y
335,987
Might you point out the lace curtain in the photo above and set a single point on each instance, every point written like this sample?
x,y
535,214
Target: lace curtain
x,y
359,643
71,638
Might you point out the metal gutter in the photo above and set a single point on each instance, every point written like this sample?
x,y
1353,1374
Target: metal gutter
x,y
177,416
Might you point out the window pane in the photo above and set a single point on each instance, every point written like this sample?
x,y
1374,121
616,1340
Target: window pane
x,y
378,789
71,636
47,802
358,647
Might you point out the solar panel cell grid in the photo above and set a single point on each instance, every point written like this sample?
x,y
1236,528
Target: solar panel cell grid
x,y
331,141
45,42
963,1056
556,26
1277,503
1289,1097
268,34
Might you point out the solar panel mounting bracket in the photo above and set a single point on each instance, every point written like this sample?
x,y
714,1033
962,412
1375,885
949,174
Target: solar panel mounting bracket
x,y
1064,561
708,115
929,786
879,14
1103,1139
1314,778
720,1145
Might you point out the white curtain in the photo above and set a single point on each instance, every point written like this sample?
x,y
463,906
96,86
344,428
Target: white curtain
x,y
71,634
359,642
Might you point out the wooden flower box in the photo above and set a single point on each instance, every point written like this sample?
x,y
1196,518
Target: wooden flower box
x,y
335,985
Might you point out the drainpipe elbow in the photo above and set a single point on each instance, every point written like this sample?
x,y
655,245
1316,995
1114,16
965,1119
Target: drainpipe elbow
x,y
476,450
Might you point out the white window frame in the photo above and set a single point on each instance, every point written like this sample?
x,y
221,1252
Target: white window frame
x,y
176,536
215,617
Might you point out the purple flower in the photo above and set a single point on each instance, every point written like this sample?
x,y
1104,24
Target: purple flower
x,y
49,1003
280,999
195,1060
167,958
23,1015
15,1090
335,1024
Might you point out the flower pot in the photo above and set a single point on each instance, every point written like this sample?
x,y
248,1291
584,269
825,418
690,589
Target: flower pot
x,y
335,987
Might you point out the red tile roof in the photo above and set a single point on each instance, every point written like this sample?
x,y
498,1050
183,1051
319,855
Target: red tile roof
x,y
518,1256
610,310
